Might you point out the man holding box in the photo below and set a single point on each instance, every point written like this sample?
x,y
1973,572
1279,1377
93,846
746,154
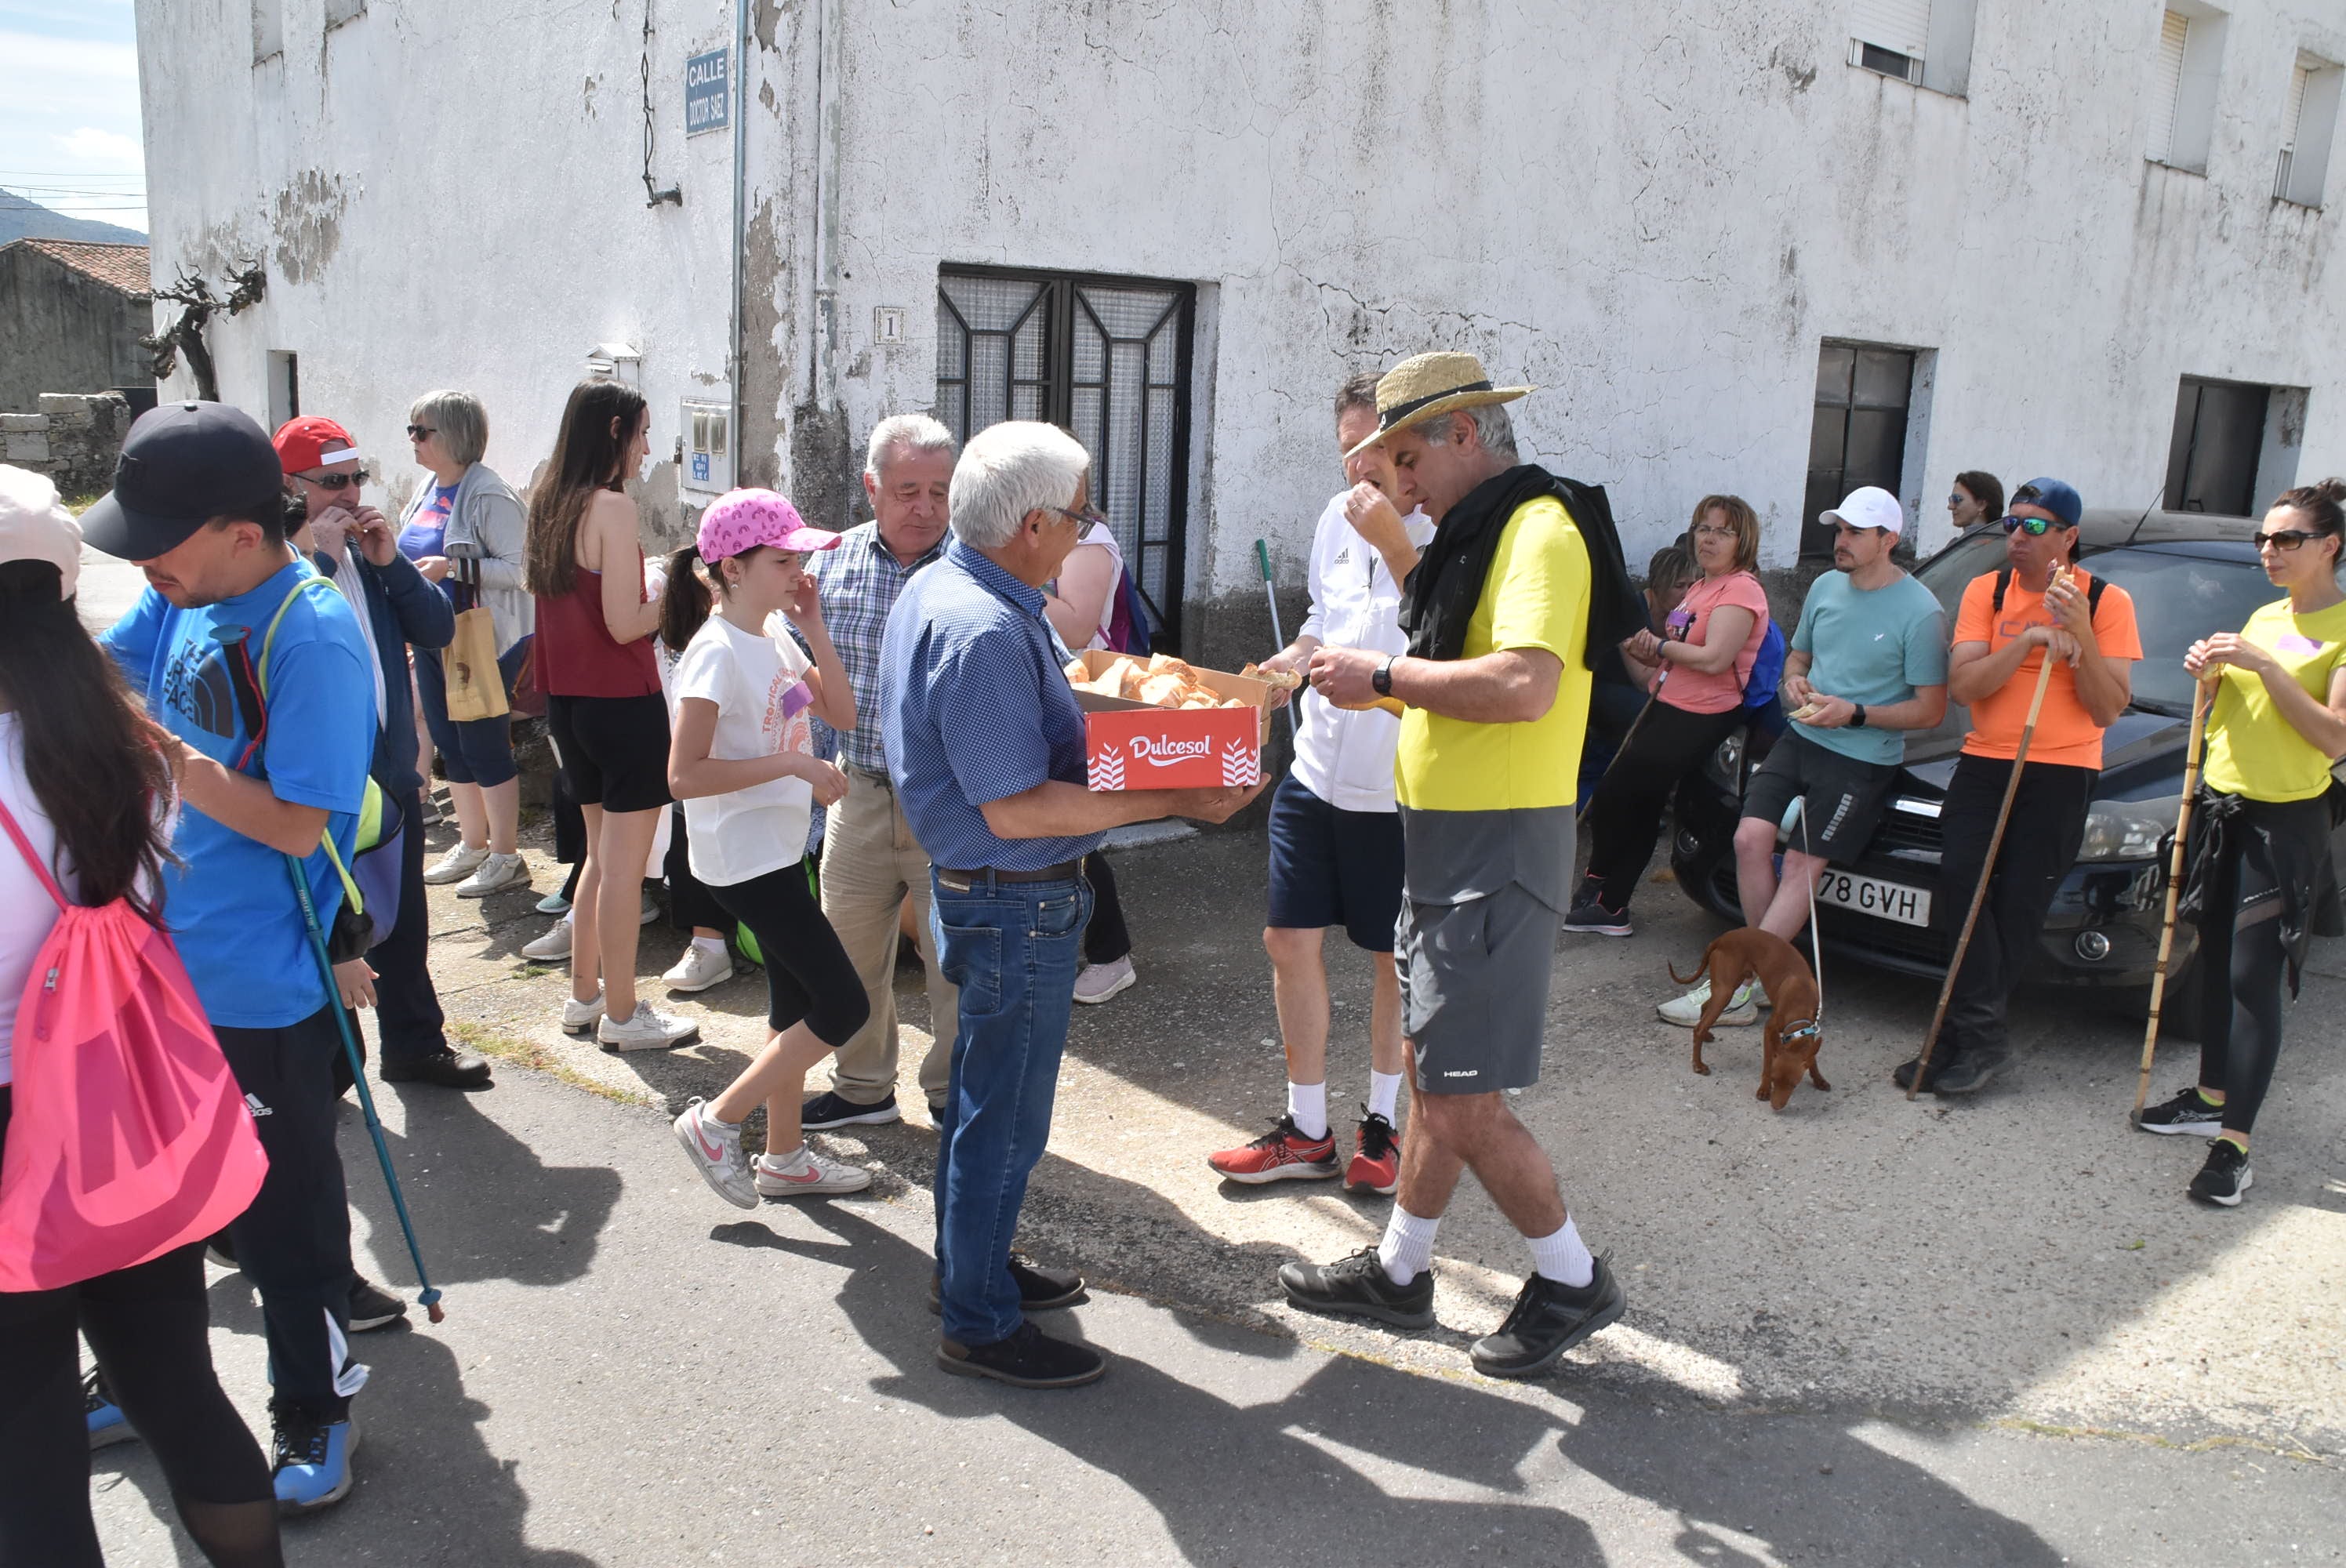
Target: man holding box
x,y
1514,588
984,745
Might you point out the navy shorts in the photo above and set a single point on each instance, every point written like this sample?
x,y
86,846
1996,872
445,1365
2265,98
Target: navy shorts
x,y
1329,867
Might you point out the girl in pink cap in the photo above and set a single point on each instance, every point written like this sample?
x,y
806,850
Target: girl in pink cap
x,y
742,761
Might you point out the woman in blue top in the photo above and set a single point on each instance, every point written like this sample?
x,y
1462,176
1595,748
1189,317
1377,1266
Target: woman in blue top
x,y
465,531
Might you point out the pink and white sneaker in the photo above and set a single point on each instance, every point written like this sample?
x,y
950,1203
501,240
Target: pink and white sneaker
x,y
716,1152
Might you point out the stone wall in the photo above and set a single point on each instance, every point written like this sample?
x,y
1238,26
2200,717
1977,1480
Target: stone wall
x,y
74,439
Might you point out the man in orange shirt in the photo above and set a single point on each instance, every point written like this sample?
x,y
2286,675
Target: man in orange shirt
x,y
2011,621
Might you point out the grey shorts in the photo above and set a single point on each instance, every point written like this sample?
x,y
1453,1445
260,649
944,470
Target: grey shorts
x,y
1474,990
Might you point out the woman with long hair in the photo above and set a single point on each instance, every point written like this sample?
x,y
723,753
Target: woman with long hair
x,y
2260,876
86,778
604,711
1977,498
743,763
1702,658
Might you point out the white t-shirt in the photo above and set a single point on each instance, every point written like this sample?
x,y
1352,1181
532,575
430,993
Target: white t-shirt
x,y
759,684
27,910
1345,755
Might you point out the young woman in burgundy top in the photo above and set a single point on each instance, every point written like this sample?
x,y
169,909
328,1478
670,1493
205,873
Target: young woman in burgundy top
x,y
604,711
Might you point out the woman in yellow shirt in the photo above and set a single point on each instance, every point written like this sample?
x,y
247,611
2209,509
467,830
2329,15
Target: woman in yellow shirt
x,y
2260,878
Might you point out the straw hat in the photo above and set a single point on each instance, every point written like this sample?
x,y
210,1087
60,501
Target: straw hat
x,y
1426,386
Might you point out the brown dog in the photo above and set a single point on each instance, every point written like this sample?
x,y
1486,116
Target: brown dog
x,y
1792,1037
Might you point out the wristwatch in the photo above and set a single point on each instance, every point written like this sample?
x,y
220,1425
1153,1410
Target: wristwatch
x,y
1382,681
1857,716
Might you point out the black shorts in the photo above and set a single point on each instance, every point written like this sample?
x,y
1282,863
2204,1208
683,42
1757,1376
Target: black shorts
x,y
613,751
1841,799
1330,867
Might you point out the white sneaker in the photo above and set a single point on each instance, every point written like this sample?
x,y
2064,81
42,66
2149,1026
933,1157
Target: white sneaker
x,y
716,1151
551,947
648,914
1098,981
494,875
1686,1011
461,861
699,969
808,1175
580,1017
646,1030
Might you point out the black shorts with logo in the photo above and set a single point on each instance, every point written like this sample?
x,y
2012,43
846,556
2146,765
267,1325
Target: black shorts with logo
x,y
1841,799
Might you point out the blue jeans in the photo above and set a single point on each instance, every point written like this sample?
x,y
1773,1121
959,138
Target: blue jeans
x,y
1014,949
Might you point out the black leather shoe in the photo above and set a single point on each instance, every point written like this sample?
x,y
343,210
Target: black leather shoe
x,y
1040,1289
1547,1320
448,1069
1029,1358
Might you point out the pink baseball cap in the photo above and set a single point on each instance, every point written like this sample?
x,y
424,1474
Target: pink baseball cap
x,y
741,520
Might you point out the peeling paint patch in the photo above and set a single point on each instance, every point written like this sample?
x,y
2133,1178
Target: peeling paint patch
x,y
306,224
592,82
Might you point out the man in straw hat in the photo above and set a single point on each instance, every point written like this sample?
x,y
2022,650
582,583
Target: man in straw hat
x,y
1523,576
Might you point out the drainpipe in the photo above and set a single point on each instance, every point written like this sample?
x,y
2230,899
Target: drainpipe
x,y
741,84
822,368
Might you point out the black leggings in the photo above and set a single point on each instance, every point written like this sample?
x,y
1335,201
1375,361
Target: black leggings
x,y
1106,938
808,976
2239,1030
149,1326
1626,815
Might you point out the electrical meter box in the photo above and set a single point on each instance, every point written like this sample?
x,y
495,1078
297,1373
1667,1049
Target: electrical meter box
x,y
707,430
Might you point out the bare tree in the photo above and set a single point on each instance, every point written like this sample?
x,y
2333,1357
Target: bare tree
x,y
197,303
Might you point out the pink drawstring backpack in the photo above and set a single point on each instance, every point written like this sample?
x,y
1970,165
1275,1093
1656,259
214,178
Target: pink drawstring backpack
x,y
130,1135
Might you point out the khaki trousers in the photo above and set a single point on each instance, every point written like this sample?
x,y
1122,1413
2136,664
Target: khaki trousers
x,y
870,861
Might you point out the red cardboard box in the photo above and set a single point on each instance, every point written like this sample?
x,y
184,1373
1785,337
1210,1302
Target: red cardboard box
x,y
1134,746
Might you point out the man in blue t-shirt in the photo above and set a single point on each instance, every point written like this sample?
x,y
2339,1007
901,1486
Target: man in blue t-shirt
x,y
1868,663
198,504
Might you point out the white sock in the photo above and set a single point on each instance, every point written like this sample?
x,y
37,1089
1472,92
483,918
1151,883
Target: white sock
x,y
794,1160
1308,1105
1385,1094
709,1113
1407,1250
1562,1258
709,944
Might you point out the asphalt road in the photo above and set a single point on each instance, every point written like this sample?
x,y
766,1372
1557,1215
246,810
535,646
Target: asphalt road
x,y
632,1373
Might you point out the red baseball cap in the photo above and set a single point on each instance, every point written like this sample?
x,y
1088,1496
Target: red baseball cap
x,y
310,443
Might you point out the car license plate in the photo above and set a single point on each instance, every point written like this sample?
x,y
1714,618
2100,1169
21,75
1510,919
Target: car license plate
x,y
1871,895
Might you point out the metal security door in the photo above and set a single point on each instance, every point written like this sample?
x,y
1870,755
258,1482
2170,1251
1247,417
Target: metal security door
x,y
1110,358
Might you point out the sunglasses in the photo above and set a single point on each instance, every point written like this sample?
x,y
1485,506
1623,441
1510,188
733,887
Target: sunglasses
x,y
332,481
2287,539
421,433
2034,528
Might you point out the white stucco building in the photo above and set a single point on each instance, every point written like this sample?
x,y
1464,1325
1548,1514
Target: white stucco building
x,y
1771,247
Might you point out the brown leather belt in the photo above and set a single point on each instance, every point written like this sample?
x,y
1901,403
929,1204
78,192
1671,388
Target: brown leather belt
x,y
962,881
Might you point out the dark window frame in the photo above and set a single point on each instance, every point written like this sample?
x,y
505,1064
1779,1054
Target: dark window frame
x,y
1827,484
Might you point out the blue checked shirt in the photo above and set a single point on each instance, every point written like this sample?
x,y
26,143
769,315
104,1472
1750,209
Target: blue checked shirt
x,y
975,707
860,582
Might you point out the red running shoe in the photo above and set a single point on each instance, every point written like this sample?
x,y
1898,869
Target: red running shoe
x,y
1376,1159
1282,1154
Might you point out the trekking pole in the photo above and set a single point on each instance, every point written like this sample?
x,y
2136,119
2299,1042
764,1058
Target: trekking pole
x,y
1262,560
2202,700
1987,873
429,1299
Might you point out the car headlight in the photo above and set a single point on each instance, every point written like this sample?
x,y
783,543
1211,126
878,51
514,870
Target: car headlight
x,y
1726,765
2128,830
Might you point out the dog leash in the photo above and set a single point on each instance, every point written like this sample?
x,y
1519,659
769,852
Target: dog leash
x,y
1816,937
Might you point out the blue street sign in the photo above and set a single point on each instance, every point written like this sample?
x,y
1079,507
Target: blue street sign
x,y
707,92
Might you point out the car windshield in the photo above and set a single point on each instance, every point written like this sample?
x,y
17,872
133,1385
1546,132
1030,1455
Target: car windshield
x,y
2181,592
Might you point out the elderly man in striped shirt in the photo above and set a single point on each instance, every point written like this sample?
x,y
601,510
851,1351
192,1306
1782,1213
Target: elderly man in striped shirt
x,y
870,862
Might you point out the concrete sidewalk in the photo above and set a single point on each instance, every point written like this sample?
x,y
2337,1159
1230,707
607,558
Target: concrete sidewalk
x,y
633,1375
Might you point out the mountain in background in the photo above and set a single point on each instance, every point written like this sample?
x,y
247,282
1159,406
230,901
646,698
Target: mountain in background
x,y
23,220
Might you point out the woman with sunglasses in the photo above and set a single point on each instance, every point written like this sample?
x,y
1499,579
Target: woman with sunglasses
x,y
1977,498
467,532
2261,877
1702,658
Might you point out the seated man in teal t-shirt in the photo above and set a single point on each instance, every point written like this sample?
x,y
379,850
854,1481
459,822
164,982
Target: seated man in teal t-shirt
x,y
1868,663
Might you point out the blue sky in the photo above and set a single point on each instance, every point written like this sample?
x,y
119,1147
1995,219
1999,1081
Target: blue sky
x,y
69,130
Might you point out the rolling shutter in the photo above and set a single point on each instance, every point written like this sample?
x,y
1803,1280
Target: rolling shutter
x,y
2174,30
2293,115
1902,26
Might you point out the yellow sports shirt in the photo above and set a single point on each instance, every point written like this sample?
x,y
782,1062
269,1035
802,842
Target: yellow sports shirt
x,y
1537,596
2252,751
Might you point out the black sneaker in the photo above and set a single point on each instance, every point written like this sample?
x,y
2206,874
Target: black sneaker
x,y
1547,1320
1967,1072
1591,918
1040,1289
222,1250
1904,1074
372,1307
1359,1287
108,1424
2186,1113
447,1069
2225,1177
1029,1358
827,1111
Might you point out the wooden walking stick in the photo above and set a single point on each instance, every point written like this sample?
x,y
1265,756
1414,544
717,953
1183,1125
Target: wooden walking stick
x,y
1987,873
2202,700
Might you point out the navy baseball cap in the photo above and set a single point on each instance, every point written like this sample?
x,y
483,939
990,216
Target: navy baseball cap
x,y
2052,494
183,464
